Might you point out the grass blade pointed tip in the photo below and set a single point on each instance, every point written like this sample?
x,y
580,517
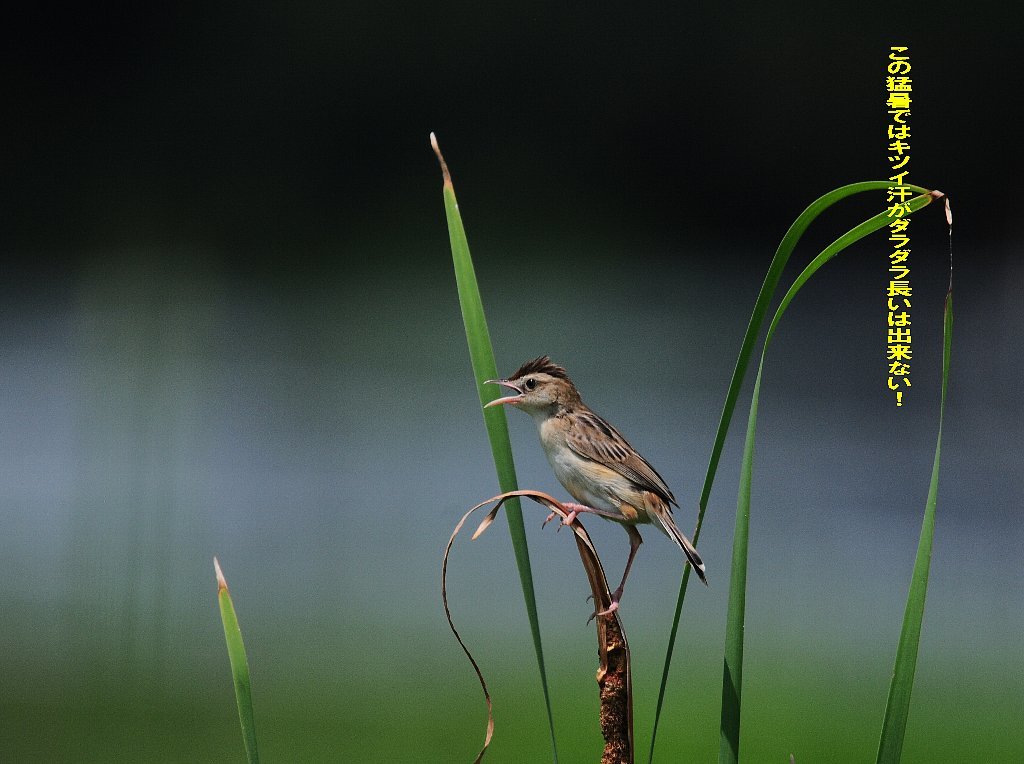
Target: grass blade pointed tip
x,y
239,666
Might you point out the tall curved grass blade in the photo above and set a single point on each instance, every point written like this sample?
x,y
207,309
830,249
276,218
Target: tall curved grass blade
x,y
897,707
771,280
732,671
239,666
482,356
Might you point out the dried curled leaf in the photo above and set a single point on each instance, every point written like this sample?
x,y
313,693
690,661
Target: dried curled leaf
x,y
613,674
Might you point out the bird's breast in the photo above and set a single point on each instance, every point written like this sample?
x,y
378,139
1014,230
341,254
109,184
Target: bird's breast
x,y
587,481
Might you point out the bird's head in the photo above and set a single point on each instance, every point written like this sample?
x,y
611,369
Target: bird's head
x,y
541,387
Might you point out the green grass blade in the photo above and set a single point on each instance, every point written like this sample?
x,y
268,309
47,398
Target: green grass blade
x,y
771,280
897,707
239,666
732,673
482,356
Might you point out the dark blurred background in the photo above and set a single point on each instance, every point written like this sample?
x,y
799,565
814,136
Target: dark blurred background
x,y
228,325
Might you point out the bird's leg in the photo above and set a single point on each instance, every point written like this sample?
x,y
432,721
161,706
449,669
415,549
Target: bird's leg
x,y
578,509
635,540
574,509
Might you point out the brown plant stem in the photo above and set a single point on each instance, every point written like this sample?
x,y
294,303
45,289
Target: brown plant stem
x,y
613,677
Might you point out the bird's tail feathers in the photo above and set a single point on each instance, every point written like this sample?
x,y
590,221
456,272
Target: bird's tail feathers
x,y
691,553
664,518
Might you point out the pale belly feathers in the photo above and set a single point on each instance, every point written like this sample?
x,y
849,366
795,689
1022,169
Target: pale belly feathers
x,y
587,481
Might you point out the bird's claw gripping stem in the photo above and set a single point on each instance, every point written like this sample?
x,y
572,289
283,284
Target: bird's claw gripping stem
x,y
569,519
611,609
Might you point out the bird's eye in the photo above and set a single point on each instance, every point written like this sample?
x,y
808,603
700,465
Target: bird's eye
x,y
530,383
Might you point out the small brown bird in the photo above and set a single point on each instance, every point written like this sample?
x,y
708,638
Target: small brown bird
x,y
592,460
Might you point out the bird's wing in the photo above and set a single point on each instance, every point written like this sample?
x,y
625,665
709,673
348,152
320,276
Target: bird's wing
x,y
593,438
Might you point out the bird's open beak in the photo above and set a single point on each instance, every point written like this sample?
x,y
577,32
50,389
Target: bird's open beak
x,y
508,398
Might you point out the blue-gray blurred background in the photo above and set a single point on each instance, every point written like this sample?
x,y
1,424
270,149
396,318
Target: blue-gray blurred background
x,y
229,326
